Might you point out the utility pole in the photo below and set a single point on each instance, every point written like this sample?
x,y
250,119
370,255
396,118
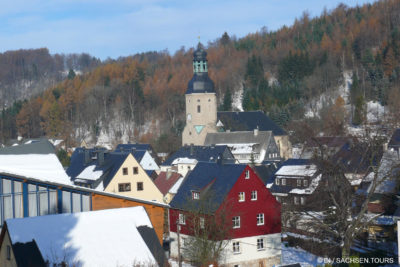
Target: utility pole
x,y
178,227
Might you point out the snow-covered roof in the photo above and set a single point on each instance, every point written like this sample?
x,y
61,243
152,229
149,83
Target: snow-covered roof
x,y
184,160
175,187
97,238
90,174
297,170
44,167
246,148
309,190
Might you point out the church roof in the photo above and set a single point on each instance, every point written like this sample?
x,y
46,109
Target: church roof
x,y
200,83
248,121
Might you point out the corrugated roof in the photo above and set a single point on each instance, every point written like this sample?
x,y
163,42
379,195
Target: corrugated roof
x,y
218,179
248,121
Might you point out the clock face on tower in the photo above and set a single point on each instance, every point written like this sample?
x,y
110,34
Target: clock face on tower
x,y
189,117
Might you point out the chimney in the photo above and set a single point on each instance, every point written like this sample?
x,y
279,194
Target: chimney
x,y
87,157
100,158
385,147
256,131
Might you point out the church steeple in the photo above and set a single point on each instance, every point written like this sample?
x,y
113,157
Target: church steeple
x,y
200,59
201,102
200,83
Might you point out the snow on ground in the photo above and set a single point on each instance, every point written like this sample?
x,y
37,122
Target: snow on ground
x,y
45,167
174,263
237,99
291,255
375,112
317,104
95,238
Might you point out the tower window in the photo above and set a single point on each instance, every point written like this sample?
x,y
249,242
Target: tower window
x,y
198,109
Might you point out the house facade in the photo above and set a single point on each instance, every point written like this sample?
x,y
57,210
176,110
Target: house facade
x,y
247,147
252,214
113,172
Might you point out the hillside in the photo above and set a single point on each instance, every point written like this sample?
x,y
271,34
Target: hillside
x,y
140,98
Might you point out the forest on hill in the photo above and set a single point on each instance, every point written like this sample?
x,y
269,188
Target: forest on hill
x,y
141,98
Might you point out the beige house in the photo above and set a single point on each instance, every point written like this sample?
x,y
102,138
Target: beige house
x,y
113,172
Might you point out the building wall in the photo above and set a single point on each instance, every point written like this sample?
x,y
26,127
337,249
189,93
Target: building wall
x,y
150,191
156,213
3,253
249,255
285,147
207,117
247,210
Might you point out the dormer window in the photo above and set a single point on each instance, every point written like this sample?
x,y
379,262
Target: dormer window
x,y
277,181
195,195
283,181
305,182
298,182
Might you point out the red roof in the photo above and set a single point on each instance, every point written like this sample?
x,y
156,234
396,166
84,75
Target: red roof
x,y
166,180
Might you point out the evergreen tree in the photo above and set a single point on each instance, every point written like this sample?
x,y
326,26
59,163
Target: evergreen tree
x,y
227,102
71,74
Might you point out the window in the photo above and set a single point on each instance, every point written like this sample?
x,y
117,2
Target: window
x,y
236,247
278,199
8,252
182,219
125,171
260,219
305,182
283,181
247,174
277,181
125,187
260,244
195,195
135,170
241,196
298,182
139,186
201,222
253,195
198,109
303,200
296,200
236,222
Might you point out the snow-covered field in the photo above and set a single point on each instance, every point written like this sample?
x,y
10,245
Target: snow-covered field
x,y
291,255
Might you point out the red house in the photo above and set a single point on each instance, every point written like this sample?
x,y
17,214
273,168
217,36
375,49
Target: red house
x,y
251,212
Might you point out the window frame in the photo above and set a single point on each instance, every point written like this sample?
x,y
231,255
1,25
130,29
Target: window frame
x,y
236,222
260,244
283,181
126,187
254,195
298,182
195,195
139,186
236,247
260,219
302,200
247,174
296,200
135,170
124,171
181,219
241,197
305,182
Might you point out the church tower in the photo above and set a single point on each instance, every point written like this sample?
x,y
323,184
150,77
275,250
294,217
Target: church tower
x,y
201,102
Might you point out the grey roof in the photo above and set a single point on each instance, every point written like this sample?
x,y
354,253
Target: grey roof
x,y
200,83
42,146
248,121
261,140
202,153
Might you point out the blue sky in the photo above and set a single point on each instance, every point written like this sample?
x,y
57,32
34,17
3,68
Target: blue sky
x,y
113,28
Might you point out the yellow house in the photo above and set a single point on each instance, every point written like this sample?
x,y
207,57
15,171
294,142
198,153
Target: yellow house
x,y
113,172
